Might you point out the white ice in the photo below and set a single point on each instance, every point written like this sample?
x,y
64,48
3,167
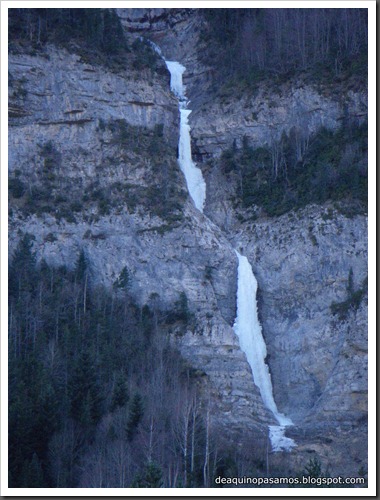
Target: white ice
x,y
278,439
194,179
247,325
248,329
176,71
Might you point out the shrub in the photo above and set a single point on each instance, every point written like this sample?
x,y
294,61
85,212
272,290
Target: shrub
x,y
146,57
124,280
104,206
65,213
16,187
50,237
353,301
76,206
51,160
208,273
181,311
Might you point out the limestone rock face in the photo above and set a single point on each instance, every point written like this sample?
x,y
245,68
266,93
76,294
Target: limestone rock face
x,y
163,266
302,263
60,95
318,361
69,105
263,117
301,260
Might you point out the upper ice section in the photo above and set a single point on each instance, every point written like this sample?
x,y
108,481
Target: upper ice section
x,y
176,84
194,179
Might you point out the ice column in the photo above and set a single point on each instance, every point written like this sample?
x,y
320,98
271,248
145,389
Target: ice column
x,y
193,175
248,329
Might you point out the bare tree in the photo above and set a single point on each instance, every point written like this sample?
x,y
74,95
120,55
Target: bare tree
x,y
206,463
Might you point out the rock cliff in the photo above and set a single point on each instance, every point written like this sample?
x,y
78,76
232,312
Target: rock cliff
x,y
81,140
66,138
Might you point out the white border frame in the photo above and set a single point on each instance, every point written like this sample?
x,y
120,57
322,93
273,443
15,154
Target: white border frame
x,y
220,492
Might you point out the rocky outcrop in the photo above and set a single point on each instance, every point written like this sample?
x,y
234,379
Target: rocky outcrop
x,y
63,143
261,113
57,90
317,359
177,32
264,116
301,260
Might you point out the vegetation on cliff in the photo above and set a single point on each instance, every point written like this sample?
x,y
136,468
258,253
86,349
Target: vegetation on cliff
x,y
93,379
248,45
158,194
301,169
98,396
95,34
99,29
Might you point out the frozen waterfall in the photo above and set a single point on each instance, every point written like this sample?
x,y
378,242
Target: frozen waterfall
x,y
248,329
247,326
176,71
193,175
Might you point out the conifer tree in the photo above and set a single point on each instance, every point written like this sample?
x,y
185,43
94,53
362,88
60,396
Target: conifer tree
x,y
124,280
22,271
32,475
120,394
136,413
350,283
85,394
151,477
81,266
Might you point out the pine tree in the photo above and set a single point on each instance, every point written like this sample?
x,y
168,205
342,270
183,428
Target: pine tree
x,y
81,266
313,468
135,416
113,35
85,394
151,477
20,427
124,279
120,394
32,475
22,271
183,308
350,283
47,413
